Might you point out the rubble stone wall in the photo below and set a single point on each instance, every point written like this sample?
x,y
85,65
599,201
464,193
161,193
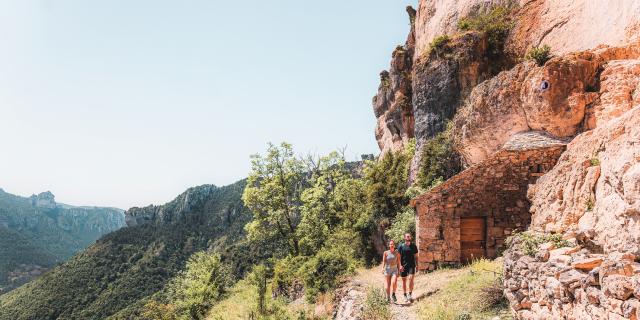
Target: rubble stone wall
x,y
495,189
571,283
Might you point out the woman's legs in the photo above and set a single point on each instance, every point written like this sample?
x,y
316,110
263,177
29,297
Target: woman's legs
x,y
388,287
395,283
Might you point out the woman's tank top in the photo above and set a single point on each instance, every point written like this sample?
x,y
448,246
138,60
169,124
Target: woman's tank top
x,y
390,261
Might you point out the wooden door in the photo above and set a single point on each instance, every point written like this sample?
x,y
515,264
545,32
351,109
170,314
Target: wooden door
x,y
472,239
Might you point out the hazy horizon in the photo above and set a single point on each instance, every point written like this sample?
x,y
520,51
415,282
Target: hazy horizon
x,y
107,104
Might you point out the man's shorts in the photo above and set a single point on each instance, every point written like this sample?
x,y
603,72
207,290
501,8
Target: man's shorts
x,y
407,271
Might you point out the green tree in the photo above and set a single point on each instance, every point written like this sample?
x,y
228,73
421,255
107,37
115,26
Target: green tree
x,y
319,211
439,160
386,181
204,282
273,194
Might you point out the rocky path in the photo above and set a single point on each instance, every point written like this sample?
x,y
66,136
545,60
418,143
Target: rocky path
x,y
354,294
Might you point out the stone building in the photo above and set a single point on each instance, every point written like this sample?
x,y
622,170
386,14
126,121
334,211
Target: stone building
x,y
471,215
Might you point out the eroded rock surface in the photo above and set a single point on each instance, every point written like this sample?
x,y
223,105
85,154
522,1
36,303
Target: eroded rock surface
x,y
566,26
566,96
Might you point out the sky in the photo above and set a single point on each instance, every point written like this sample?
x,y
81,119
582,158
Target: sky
x,y
128,103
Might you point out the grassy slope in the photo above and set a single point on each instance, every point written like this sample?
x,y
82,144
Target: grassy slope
x,y
469,293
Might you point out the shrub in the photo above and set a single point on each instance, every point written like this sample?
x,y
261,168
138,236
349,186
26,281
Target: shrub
x,y
439,161
404,222
286,277
376,306
204,282
590,204
322,273
530,241
494,22
439,44
539,54
594,162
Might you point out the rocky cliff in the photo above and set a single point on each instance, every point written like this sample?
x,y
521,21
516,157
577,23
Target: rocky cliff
x,y
587,91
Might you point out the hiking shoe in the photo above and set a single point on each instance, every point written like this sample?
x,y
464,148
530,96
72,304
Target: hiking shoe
x,y
406,298
393,296
410,297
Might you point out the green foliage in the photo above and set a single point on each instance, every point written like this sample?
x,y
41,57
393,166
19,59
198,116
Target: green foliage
x,y
319,209
439,161
119,274
594,162
41,236
404,222
258,278
286,275
463,297
273,193
495,22
590,204
376,306
530,241
16,250
439,44
154,310
322,272
539,54
386,181
196,289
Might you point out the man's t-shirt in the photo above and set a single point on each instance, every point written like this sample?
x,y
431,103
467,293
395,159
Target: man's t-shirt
x,y
407,255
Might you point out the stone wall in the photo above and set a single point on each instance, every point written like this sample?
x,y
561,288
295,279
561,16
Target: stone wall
x,y
571,283
495,188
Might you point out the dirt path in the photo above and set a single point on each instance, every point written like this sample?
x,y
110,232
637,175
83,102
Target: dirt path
x,y
424,285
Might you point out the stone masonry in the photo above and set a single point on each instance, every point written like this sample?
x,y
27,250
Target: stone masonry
x,y
495,189
571,282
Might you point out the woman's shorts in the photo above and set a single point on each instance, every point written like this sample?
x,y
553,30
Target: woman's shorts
x,y
391,272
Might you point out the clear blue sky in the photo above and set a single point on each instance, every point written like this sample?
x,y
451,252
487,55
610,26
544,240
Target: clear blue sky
x,y
128,103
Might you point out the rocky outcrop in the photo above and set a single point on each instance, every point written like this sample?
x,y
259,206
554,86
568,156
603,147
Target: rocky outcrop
x,y
564,97
566,26
173,211
592,197
392,103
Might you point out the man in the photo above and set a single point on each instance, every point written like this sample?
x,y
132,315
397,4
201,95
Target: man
x,y
408,253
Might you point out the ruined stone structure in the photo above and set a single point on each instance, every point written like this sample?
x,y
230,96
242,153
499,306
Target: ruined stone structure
x,y
471,214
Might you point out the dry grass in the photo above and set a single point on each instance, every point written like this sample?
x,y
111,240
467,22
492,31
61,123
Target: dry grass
x,y
474,294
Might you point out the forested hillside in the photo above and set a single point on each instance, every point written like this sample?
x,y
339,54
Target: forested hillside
x,y
123,269
37,232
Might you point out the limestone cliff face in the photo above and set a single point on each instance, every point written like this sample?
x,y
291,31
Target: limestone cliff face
x,y
419,93
392,103
172,211
566,26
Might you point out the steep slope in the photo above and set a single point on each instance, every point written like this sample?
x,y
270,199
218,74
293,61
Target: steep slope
x,y
38,232
121,270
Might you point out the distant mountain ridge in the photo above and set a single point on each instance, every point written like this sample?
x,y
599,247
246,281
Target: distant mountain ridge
x,y
36,233
116,276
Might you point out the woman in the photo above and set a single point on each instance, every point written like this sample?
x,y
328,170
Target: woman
x,y
390,266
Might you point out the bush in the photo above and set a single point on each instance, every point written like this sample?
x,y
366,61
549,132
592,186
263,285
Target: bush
x,y
404,222
286,277
539,54
439,161
439,44
494,22
594,162
530,241
196,289
376,306
322,273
